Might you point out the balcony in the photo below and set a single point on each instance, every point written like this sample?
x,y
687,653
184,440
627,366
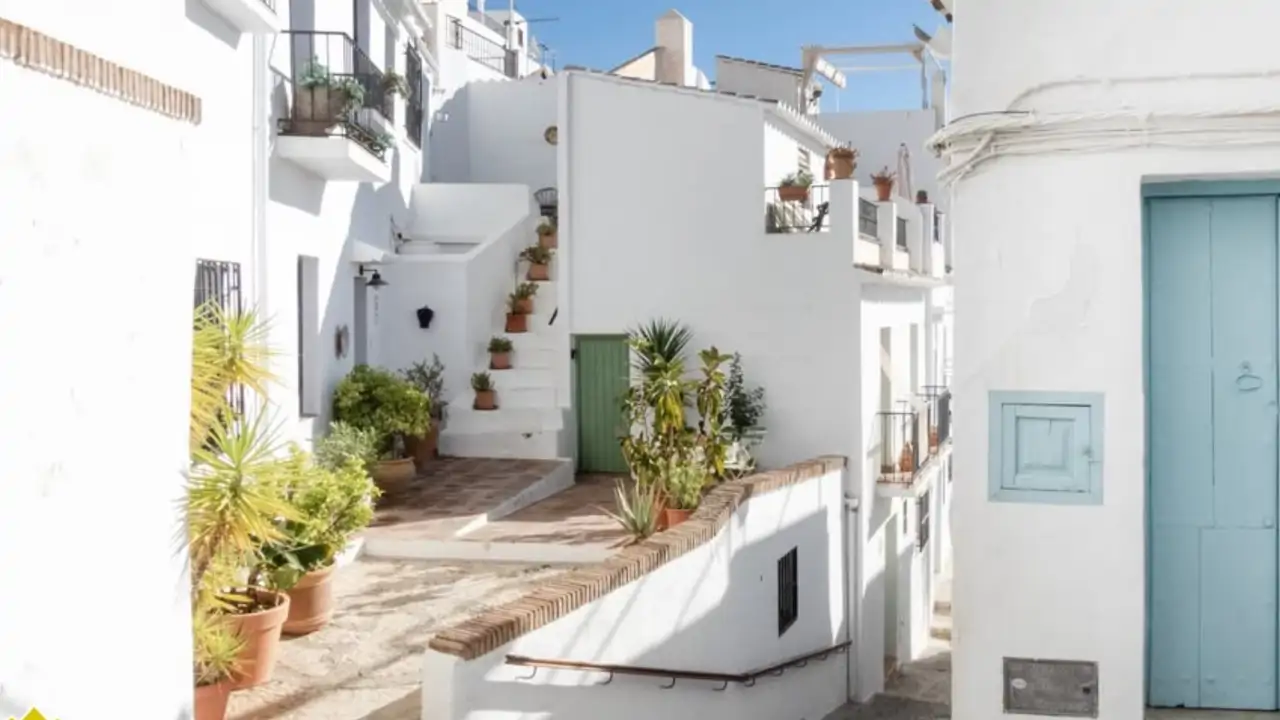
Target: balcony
x,y
482,49
256,17
912,440
796,209
336,121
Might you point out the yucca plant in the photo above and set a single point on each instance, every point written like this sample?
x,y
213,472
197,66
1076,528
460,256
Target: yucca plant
x,y
637,508
658,341
217,648
229,349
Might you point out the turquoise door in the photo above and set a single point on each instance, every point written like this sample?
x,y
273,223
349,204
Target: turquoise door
x,y
1212,311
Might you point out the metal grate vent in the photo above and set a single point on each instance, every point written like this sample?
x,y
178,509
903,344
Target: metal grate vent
x,y
788,591
1061,688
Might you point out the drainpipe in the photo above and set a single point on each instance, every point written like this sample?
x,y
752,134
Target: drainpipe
x,y
258,183
852,586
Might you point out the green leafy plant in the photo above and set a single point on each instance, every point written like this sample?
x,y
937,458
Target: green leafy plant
x,y
656,341
683,481
499,344
746,406
481,382
347,442
547,226
316,75
429,378
537,254
393,407
803,178
526,290
330,505
713,436
393,83
382,141
216,647
637,508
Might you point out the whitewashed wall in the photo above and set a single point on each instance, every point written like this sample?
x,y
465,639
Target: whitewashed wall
x,y
493,132
694,246
1042,287
877,136
712,609
95,301
746,79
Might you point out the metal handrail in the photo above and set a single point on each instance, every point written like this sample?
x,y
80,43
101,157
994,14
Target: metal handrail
x,y
746,679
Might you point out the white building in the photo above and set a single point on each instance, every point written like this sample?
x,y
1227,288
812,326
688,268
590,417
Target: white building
x,y
1116,356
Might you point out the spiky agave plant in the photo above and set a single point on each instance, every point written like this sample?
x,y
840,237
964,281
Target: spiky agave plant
x,y
229,348
637,508
657,344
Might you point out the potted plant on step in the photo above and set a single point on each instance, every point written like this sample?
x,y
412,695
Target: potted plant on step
x,y
374,398
217,651
233,497
539,262
682,484
524,294
500,353
331,503
517,322
883,181
429,379
548,235
795,187
321,100
843,161
486,398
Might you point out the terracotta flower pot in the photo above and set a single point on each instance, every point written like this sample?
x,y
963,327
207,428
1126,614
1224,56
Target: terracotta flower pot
x,y
550,240
933,438
524,306
672,517
907,460
311,602
393,475
884,190
517,323
424,449
842,166
538,271
211,701
793,193
500,361
486,400
261,633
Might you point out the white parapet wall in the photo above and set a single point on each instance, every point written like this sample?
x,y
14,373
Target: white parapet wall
x,y
702,597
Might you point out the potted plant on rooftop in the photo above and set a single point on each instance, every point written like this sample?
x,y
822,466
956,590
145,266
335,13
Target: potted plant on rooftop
x,y
321,100
883,181
843,160
539,259
374,398
517,322
548,234
795,187
524,295
331,503
429,379
486,398
500,353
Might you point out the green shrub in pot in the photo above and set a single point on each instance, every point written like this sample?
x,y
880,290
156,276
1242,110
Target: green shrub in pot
x,y
394,409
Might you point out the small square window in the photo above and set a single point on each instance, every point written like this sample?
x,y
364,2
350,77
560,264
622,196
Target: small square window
x,y
788,591
1046,447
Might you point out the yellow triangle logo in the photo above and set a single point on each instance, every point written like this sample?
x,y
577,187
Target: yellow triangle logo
x,y
32,714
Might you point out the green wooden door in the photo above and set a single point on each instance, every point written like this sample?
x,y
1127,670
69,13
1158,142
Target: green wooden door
x,y
601,372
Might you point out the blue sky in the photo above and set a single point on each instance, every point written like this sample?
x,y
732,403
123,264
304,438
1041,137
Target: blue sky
x,y
603,33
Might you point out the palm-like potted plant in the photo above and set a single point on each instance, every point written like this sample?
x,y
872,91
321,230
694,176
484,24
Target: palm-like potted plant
x,y
539,259
429,379
795,187
217,652
233,495
524,294
320,99
394,408
331,503
500,353
883,181
548,234
517,322
486,397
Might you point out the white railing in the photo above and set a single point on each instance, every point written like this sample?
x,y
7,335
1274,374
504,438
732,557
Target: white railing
x,y
892,235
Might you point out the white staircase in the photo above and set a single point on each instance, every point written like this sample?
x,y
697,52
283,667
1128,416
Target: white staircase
x,y
528,422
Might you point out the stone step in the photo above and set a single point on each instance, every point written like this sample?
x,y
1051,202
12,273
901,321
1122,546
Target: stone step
x,y
941,627
540,445
463,420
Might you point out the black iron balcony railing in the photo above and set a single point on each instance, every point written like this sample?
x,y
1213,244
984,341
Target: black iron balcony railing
x,y
796,209
868,218
481,49
335,87
938,414
900,452
900,237
413,104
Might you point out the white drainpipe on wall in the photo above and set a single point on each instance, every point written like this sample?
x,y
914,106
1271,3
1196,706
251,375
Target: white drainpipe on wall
x,y
258,184
852,585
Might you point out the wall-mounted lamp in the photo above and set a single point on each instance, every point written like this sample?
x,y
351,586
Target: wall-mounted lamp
x,y
375,281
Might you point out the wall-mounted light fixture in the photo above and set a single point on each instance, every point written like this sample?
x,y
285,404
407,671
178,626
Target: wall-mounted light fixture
x,y
375,280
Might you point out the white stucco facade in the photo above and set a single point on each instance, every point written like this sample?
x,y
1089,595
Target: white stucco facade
x,y
1049,247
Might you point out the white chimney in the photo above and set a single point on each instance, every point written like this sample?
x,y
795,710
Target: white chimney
x,y
673,36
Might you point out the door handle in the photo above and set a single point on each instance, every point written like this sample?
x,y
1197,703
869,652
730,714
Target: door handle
x,y
1247,381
